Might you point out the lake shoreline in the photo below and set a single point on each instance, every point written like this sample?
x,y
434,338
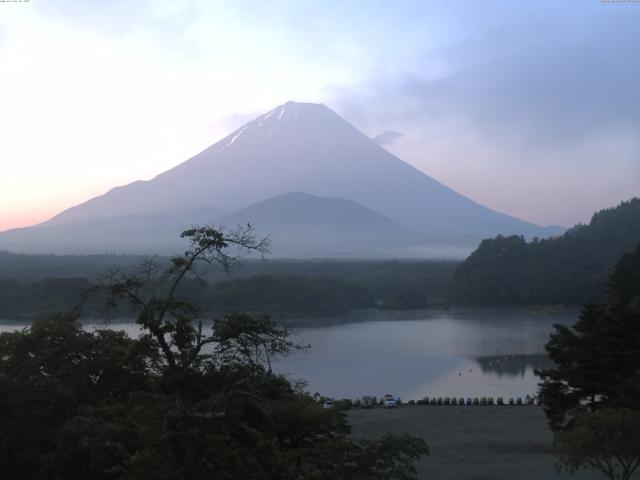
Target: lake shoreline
x,y
311,318
467,352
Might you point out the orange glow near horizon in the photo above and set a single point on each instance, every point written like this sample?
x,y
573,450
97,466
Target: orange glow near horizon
x,y
10,220
26,207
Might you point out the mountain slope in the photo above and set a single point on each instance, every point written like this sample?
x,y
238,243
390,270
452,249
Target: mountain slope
x,y
130,234
302,225
306,148
571,269
309,148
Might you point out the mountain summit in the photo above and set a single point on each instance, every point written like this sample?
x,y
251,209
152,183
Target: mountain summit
x,y
296,147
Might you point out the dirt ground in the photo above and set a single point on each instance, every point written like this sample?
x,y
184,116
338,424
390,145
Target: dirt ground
x,y
472,443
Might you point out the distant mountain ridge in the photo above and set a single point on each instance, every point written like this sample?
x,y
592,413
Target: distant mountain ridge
x,y
297,147
571,269
304,225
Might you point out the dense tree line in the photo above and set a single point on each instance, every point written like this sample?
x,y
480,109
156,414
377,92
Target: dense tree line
x,y
305,288
598,359
185,400
268,292
37,267
571,269
25,300
592,394
23,267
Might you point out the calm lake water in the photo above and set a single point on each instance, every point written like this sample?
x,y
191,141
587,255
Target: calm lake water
x,y
461,352
458,352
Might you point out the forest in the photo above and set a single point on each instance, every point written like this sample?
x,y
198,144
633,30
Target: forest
x,y
274,287
572,269
568,270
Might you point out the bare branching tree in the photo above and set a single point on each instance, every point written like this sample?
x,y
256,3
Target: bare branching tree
x,y
170,320
244,339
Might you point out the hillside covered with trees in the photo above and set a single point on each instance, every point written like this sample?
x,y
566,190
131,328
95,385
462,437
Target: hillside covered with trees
x,y
591,395
571,269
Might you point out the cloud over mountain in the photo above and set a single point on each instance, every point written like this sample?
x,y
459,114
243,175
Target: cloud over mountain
x,y
387,137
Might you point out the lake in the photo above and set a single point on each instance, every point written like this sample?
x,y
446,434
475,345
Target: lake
x,y
459,352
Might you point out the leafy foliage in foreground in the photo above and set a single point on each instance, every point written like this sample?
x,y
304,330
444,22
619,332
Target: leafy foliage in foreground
x,y
183,401
99,405
607,440
592,396
598,360
571,269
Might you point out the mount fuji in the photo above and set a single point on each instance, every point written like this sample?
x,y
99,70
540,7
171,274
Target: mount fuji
x,y
299,172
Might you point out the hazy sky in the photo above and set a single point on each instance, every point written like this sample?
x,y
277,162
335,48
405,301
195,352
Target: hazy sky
x,y
531,108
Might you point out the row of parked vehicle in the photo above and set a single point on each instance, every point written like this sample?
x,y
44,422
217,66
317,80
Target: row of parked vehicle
x,y
482,401
390,401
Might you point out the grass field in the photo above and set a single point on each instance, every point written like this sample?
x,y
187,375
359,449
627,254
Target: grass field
x,y
472,443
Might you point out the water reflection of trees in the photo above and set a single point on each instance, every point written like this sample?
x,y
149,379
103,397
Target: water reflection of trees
x,y
512,365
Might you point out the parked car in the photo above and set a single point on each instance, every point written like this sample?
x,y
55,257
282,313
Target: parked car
x,y
512,401
367,402
447,400
500,401
483,401
433,401
389,401
461,401
454,401
519,401
490,401
440,401
469,401
476,401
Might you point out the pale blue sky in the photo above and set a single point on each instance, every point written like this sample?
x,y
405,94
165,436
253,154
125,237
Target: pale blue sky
x,y
531,108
